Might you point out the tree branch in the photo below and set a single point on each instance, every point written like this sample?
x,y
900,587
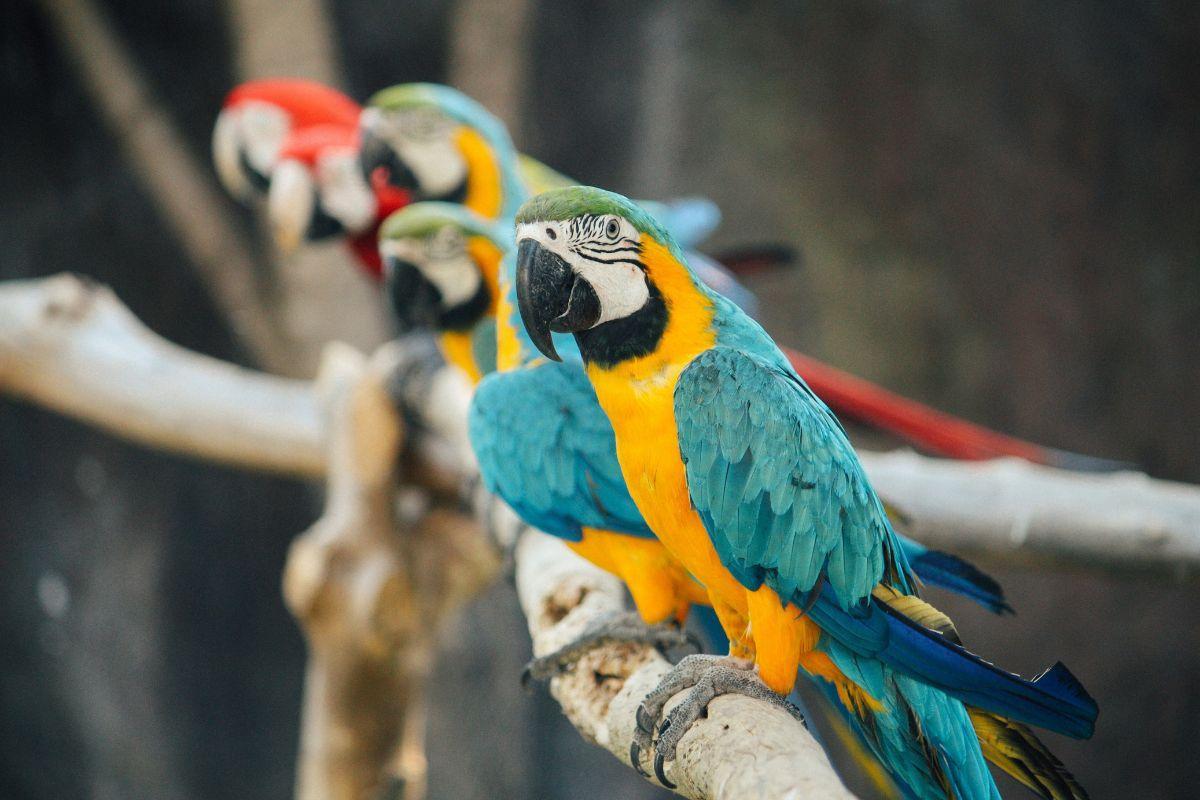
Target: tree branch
x,y
71,345
743,748
1011,510
370,593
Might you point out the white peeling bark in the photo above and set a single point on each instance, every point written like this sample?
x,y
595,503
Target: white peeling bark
x,y
70,345
743,750
1012,510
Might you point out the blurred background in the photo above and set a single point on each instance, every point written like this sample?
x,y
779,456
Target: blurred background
x,y
998,209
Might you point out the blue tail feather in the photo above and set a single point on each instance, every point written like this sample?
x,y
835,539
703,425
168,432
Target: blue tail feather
x,y
1055,700
961,577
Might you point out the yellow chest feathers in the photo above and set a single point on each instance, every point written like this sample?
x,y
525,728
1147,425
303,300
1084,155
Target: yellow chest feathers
x,y
638,395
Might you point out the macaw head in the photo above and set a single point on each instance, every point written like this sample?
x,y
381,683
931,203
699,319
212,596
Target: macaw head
x,y
316,189
585,265
431,140
256,120
440,263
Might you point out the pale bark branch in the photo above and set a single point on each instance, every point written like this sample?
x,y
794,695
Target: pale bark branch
x,y
71,345
370,591
742,749
1011,510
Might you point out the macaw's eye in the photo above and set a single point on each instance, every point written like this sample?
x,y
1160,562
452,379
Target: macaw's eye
x,y
550,233
613,229
445,244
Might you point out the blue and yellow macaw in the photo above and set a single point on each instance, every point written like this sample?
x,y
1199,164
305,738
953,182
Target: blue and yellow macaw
x,y
749,481
443,265
559,469
432,139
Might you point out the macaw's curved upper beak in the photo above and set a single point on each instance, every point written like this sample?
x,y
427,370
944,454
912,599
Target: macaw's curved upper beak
x,y
552,297
382,165
291,201
415,301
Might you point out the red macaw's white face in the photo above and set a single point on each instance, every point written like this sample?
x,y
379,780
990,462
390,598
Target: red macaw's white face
x,y
343,191
247,139
424,141
313,198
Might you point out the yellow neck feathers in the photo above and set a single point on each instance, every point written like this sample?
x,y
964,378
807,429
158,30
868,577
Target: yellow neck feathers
x,y
483,174
458,347
688,333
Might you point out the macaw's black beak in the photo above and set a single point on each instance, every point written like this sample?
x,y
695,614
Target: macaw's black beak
x,y
415,301
376,156
552,297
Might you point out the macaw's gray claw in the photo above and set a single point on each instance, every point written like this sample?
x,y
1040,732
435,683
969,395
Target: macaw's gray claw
x,y
704,678
614,628
659,763
635,758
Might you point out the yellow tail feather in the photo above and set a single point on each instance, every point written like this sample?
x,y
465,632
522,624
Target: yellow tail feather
x,y
1013,748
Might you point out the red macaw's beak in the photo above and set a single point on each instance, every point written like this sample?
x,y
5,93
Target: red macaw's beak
x,y
227,155
291,203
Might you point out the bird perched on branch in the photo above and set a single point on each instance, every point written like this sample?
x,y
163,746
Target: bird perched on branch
x,y
296,142
256,120
447,268
749,481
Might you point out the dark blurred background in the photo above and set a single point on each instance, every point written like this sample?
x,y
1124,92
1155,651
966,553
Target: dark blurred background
x,y
998,207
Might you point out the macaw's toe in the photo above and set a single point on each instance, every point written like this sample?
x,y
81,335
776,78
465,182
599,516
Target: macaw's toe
x,y
617,628
704,678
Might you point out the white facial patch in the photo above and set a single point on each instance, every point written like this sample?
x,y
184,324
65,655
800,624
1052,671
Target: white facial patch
x,y
601,255
263,127
424,140
439,166
290,203
443,260
343,190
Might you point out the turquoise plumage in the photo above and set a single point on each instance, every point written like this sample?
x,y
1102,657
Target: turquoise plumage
x,y
779,492
557,468
785,500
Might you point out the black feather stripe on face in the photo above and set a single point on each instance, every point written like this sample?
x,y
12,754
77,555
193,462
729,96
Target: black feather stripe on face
x,y
586,238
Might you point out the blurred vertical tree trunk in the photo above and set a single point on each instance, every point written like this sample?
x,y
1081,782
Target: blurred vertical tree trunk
x,y
489,46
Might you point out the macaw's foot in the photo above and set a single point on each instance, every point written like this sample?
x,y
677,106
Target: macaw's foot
x,y
610,629
707,677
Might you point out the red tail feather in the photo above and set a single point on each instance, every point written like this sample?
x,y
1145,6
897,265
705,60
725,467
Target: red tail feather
x,y
927,428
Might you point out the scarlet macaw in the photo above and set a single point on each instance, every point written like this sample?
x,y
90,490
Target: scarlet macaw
x,y
296,142
750,482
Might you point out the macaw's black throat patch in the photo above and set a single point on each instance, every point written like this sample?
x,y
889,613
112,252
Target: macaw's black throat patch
x,y
465,315
634,336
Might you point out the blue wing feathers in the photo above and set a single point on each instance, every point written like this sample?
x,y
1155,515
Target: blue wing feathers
x,y
956,575
546,448
825,520
1055,701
